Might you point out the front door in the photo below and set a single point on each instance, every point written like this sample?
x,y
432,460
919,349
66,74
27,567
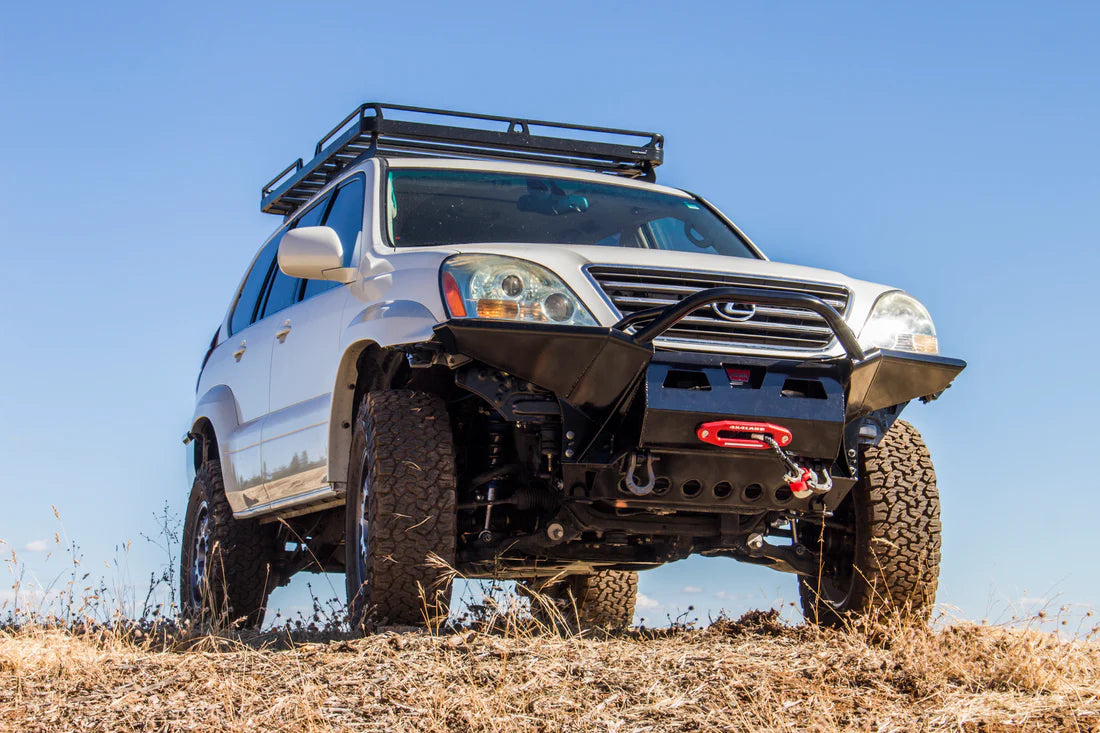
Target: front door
x,y
304,359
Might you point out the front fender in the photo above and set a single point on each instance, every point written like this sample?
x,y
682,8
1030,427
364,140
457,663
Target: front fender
x,y
390,323
382,324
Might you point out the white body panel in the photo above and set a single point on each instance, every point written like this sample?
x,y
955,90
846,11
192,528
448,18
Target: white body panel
x,y
303,370
246,378
283,391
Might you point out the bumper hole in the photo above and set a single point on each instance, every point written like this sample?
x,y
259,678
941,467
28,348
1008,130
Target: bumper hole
x,y
692,488
783,493
805,388
681,379
753,492
661,486
722,490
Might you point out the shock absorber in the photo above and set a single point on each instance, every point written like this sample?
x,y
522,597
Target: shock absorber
x,y
496,430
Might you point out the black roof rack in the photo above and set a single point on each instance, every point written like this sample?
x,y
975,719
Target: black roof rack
x,y
367,132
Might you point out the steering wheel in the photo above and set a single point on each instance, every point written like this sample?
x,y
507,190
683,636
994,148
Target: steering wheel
x,y
694,236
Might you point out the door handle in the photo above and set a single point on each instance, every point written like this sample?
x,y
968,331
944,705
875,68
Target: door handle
x,y
239,352
283,332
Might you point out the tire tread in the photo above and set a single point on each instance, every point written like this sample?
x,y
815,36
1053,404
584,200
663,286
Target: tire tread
x,y
898,556
240,572
405,437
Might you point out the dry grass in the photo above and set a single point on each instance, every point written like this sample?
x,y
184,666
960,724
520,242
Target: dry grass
x,y
753,674
83,662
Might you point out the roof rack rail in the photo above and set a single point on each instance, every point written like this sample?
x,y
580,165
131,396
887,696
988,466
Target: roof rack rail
x,y
367,132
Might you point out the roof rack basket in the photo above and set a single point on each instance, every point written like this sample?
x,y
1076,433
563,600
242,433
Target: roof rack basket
x,y
368,131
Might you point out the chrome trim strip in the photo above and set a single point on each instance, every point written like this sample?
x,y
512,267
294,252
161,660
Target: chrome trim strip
x,y
829,292
718,273
309,497
295,430
663,287
777,328
763,310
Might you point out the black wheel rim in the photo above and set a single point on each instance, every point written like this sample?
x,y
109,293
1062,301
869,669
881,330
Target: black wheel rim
x,y
200,554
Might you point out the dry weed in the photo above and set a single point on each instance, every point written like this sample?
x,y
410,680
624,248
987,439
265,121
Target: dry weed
x,y
498,669
751,674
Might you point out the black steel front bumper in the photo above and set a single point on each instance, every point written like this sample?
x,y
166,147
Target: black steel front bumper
x,y
597,401
619,396
592,368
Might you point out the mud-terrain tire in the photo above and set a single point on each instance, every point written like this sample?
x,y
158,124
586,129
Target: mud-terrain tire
x,y
603,600
890,563
225,563
402,482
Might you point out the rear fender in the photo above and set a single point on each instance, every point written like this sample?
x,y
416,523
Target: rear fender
x,y
219,408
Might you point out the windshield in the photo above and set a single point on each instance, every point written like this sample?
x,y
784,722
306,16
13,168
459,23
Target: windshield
x,y
442,207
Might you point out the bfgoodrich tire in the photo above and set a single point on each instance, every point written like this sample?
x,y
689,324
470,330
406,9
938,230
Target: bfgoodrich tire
x,y
225,573
604,599
400,510
883,554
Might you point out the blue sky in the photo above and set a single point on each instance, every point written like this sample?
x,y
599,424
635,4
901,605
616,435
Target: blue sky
x,y
948,149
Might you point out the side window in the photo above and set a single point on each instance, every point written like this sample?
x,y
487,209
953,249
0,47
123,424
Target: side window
x,y
283,290
314,216
316,287
346,217
245,308
282,293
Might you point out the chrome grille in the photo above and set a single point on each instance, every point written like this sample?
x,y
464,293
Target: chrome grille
x,y
632,289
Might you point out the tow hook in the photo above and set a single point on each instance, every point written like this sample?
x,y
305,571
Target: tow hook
x,y
628,478
808,483
803,481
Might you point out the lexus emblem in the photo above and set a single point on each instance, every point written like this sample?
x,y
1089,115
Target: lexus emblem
x,y
734,311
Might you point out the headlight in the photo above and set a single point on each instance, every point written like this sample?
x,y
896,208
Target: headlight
x,y
899,321
506,288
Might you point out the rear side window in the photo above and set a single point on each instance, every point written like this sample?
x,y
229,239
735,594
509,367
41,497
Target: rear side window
x,y
245,308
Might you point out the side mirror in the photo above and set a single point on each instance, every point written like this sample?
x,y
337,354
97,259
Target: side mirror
x,y
314,253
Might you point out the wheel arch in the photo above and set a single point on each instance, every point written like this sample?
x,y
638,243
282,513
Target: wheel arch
x,y
214,420
364,366
371,357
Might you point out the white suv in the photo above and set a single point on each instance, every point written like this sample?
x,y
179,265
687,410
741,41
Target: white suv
x,y
498,344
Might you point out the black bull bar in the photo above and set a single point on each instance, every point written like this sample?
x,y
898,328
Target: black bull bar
x,y
596,371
